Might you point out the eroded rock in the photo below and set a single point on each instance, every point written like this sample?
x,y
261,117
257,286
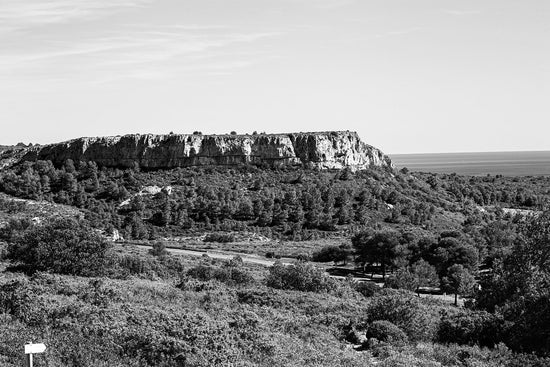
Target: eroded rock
x,y
325,150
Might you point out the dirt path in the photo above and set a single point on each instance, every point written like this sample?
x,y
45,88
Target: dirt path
x,y
252,259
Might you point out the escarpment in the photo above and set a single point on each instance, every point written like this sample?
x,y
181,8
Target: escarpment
x,y
324,150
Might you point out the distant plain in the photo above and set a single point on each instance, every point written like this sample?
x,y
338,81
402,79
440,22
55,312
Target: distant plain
x,y
478,164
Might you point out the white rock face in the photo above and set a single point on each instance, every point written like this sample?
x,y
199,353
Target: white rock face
x,y
325,150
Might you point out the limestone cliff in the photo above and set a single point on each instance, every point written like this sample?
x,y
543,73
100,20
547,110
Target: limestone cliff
x,y
324,150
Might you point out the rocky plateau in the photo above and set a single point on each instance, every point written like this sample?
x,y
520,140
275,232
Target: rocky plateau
x,y
323,150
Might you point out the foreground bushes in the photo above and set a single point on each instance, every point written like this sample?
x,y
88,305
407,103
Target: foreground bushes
x,y
149,267
60,245
130,323
470,327
406,311
423,355
386,332
367,289
232,272
300,276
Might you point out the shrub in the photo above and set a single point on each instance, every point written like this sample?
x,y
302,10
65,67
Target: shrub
x,y
300,277
148,267
406,311
263,298
231,273
471,327
303,257
272,255
367,289
191,284
219,237
159,249
3,250
62,245
387,332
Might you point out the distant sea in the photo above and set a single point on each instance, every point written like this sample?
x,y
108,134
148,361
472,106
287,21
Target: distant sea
x,y
478,164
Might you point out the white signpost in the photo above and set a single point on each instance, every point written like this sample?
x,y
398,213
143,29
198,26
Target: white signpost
x,y
31,349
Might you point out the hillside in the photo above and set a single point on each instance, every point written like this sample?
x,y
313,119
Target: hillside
x,y
417,232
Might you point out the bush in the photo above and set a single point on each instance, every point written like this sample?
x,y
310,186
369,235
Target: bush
x,y
62,245
367,289
263,298
219,237
159,249
386,332
470,327
148,267
406,311
303,257
231,273
300,277
272,255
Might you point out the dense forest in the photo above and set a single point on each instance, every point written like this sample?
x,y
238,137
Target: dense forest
x,y
289,203
483,238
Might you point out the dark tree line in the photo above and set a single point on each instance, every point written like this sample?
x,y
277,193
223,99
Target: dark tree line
x,y
292,203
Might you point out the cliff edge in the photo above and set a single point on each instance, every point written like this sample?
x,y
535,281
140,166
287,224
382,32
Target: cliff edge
x,y
324,150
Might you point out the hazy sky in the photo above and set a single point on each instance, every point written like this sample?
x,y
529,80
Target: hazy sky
x,y
408,75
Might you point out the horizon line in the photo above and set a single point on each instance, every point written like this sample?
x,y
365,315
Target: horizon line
x,y
473,152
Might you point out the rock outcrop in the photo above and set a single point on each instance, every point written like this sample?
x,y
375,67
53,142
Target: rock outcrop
x,y
325,150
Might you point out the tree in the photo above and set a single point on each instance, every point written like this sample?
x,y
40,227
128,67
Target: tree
x,y
518,287
69,166
332,253
403,279
245,210
376,247
458,281
425,273
61,245
451,250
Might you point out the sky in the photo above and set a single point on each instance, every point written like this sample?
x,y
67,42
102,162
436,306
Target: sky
x,y
410,76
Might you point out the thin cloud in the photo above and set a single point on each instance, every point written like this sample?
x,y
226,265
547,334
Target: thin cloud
x,y
43,41
152,53
138,47
23,14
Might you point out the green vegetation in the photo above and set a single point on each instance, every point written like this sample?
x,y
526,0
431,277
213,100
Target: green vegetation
x,y
385,331
231,272
98,304
61,245
300,277
332,253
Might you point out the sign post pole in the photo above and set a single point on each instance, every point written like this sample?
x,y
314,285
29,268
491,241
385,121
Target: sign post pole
x,y
31,349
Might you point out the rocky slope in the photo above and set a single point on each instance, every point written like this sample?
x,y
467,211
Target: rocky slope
x,y
325,150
